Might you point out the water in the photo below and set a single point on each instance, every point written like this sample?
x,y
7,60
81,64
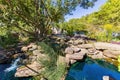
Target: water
x,y
92,70
13,66
7,71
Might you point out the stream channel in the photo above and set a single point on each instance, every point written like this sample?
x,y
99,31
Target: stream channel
x,y
87,69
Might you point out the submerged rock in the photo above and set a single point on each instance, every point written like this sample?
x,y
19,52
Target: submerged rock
x,y
107,78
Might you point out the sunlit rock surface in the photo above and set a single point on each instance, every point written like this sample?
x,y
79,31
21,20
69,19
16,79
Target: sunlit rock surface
x,y
29,70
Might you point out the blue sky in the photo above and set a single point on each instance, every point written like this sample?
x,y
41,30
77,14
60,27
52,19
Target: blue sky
x,y
79,12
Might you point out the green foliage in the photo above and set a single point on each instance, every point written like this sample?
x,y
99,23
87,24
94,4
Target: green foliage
x,y
72,26
8,38
104,33
119,63
50,51
36,17
53,71
99,25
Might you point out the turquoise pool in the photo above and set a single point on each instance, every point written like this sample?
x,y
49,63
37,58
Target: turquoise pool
x,y
92,70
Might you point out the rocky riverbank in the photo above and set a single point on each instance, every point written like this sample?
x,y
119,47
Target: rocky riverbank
x,y
76,49
79,48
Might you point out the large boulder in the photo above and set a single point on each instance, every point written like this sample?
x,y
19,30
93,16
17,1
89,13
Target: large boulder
x,y
71,58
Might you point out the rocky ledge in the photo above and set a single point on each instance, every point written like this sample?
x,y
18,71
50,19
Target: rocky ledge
x,y
31,65
96,50
77,48
7,55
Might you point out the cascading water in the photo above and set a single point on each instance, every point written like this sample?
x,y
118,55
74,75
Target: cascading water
x,y
13,66
7,70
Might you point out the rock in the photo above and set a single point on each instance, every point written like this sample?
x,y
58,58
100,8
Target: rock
x,y
33,47
38,54
107,46
107,78
76,49
5,57
73,61
98,55
30,47
24,49
78,41
92,50
83,51
75,56
111,54
69,50
70,42
29,70
116,53
86,46
15,56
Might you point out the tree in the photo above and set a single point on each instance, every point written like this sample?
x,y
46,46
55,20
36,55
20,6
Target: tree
x,y
108,13
36,17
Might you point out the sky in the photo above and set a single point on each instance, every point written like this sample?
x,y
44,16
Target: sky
x,y
79,12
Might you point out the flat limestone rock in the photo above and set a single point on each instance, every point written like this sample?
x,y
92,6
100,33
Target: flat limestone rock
x,y
86,46
107,46
111,54
101,45
30,70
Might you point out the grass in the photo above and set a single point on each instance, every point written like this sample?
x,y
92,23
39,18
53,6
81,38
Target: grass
x,y
54,69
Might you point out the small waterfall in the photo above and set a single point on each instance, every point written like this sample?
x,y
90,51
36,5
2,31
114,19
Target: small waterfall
x,y
13,66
